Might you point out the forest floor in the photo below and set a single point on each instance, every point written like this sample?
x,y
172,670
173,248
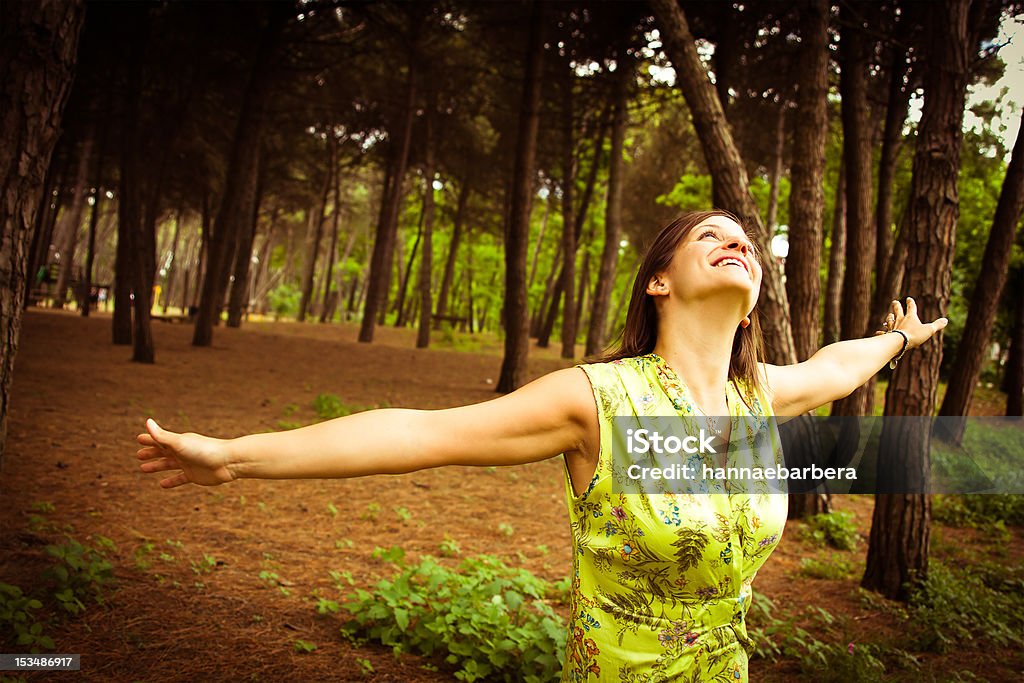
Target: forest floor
x,y
202,574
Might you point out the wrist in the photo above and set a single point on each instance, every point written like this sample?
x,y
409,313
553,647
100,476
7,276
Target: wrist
x,y
234,460
905,346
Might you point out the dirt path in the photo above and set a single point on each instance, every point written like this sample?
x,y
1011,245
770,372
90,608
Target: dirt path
x,y
77,405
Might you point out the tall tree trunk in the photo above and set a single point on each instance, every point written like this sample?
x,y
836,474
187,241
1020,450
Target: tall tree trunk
x,y
315,232
205,231
332,251
90,253
898,550
241,292
584,287
836,261
453,252
140,247
387,228
988,290
567,278
426,260
242,177
403,285
37,65
892,137
806,207
517,234
860,232
772,218
613,215
173,265
540,241
42,232
807,197
731,186
73,222
1013,378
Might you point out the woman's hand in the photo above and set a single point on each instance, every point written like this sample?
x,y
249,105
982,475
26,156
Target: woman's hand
x,y
200,459
917,332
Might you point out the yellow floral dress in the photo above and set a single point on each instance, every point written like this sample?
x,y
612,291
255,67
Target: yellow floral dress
x,y
661,581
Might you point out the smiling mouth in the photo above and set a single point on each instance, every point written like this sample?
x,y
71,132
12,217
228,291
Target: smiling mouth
x,y
731,262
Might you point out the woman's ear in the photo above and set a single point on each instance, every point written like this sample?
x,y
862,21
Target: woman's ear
x,y
657,286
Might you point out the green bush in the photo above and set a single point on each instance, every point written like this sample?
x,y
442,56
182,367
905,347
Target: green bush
x,y
954,607
834,529
284,300
17,620
489,620
80,572
978,509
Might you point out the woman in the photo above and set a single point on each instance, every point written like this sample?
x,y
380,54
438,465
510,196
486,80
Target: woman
x,y
661,582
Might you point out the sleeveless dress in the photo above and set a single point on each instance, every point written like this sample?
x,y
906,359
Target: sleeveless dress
x,y
662,581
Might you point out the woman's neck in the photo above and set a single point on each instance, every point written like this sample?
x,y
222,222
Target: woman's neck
x,y
698,346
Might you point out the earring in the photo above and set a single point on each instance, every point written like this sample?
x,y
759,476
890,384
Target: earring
x,y
745,323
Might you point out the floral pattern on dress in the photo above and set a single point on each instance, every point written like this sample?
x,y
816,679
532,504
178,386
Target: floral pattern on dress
x,y
662,581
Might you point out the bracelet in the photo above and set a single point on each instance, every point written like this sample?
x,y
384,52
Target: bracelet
x,y
898,356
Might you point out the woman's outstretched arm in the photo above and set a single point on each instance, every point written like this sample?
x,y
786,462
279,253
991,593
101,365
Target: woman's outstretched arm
x,y
552,415
836,370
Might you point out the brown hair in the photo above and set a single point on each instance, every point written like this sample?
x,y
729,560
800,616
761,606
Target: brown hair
x,y
640,333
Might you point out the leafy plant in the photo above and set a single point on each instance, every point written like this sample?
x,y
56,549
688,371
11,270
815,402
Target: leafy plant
x,y
488,619
80,572
834,529
834,568
16,618
955,606
304,646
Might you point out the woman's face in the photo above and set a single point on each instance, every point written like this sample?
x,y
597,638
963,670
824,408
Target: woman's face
x,y
716,259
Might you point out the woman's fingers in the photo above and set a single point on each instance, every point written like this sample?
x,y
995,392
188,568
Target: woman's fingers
x,y
161,465
150,452
176,480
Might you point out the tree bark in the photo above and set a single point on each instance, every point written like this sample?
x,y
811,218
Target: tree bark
x,y
94,213
731,185
568,244
898,549
895,115
37,65
1013,379
241,179
860,232
613,214
772,218
517,234
836,262
332,251
387,228
73,223
39,251
241,292
806,197
988,291
140,244
806,206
